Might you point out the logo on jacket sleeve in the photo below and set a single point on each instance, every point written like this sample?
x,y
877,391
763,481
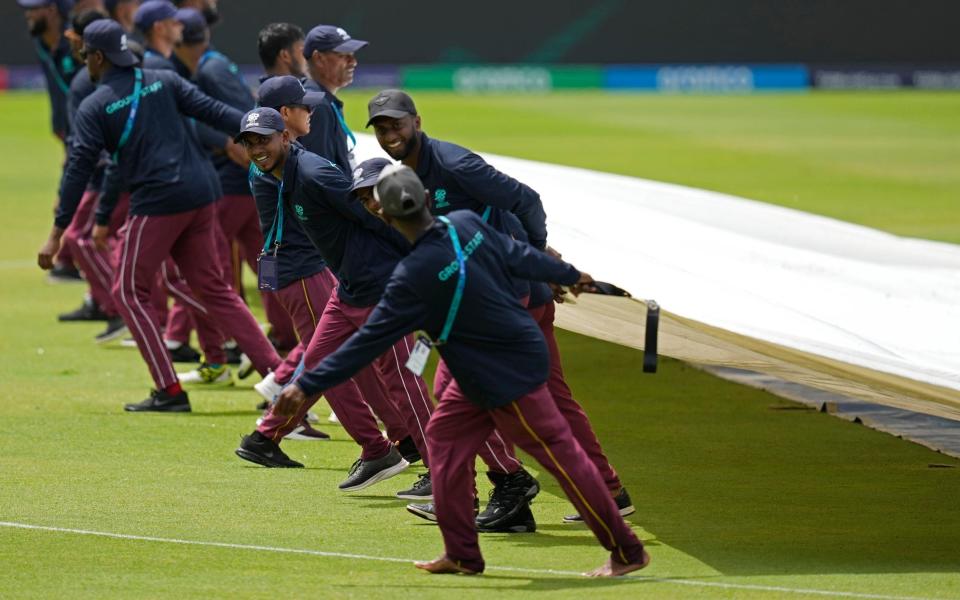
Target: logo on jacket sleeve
x,y
440,199
299,210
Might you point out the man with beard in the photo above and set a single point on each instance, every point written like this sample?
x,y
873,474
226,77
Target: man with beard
x,y
459,179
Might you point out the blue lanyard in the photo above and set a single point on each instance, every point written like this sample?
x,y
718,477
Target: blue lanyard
x,y
461,282
277,224
48,60
134,104
486,214
343,125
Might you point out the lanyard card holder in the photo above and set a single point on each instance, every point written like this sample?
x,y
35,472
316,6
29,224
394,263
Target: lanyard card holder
x,y
421,350
267,278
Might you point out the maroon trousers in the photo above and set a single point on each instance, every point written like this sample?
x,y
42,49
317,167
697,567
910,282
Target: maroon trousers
x,y
97,265
395,394
457,430
188,238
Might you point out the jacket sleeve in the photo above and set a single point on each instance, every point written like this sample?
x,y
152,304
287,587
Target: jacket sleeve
x,y
492,187
400,311
194,103
85,145
110,191
526,262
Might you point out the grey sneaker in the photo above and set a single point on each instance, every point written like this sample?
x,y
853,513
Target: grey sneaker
x,y
365,473
623,503
421,490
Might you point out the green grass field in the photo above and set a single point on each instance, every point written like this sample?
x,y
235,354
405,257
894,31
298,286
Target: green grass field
x,y
739,493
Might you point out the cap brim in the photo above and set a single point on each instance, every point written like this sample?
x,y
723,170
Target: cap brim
x,y
393,114
350,46
33,3
124,58
313,98
257,130
368,181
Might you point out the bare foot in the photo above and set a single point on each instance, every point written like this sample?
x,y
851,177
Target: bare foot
x,y
443,565
615,569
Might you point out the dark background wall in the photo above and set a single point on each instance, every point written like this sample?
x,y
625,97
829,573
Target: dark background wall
x,y
603,31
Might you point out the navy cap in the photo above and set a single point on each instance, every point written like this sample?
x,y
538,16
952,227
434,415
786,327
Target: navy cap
x,y
263,120
324,38
285,90
367,172
399,191
390,103
107,36
194,25
63,6
152,11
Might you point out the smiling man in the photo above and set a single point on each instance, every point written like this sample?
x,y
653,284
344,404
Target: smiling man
x,y
329,51
362,251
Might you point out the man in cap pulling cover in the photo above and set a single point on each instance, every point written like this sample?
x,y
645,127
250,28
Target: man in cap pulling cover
x,y
455,285
135,115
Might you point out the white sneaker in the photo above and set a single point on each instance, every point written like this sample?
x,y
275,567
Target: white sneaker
x,y
128,342
206,374
268,387
312,417
245,369
333,418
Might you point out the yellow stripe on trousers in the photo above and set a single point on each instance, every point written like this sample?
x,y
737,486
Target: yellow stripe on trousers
x,y
563,472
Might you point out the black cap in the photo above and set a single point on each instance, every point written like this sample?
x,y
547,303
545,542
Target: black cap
x,y
367,172
324,38
390,103
285,90
107,36
152,11
263,120
194,25
399,191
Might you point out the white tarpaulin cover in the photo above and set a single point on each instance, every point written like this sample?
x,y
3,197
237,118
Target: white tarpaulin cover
x,y
809,299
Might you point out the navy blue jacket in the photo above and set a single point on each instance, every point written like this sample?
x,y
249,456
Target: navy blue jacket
x,y
327,137
361,249
458,179
495,351
297,258
59,69
164,171
218,77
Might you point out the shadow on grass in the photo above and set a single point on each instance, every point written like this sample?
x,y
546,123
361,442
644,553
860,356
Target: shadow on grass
x,y
718,472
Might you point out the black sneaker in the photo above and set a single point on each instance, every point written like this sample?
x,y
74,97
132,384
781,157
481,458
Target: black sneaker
x,y
623,503
233,352
509,495
421,490
115,328
64,273
365,473
184,353
264,405
521,521
160,401
88,311
408,450
258,448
